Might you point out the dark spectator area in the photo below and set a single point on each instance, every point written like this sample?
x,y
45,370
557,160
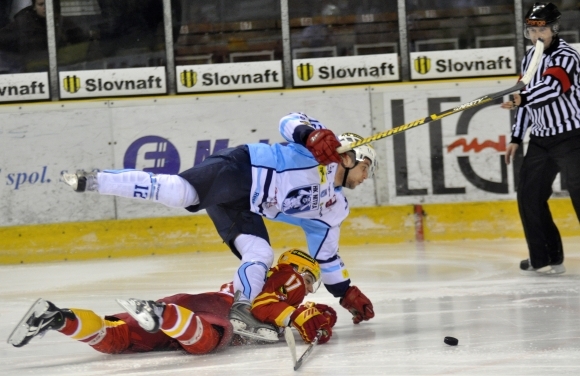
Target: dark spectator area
x,y
109,34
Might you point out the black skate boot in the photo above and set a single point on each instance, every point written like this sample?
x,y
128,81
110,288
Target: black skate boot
x,y
81,181
147,313
246,325
41,317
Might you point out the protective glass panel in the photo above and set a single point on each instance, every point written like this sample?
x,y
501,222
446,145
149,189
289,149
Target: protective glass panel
x,y
462,24
228,31
109,34
343,28
23,37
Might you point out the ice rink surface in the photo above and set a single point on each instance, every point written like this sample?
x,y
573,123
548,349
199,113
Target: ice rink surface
x,y
507,324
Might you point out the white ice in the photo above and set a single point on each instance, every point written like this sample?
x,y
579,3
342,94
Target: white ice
x,y
507,324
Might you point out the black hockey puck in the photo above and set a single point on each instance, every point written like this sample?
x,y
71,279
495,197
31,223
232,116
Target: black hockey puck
x,y
451,341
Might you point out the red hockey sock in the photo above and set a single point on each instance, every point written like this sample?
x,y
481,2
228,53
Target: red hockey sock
x,y
195,335
110,337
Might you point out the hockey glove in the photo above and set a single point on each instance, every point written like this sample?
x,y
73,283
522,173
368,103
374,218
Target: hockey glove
x,y
358,304
327,312
322,143
308,320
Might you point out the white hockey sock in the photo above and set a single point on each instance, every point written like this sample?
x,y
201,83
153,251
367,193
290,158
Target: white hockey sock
x,y
257,258
169,190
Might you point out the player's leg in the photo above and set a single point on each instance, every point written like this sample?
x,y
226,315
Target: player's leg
x,y
534,189
170,190
41,317
246,235
257,258
221,178
193,332
107,335
81,325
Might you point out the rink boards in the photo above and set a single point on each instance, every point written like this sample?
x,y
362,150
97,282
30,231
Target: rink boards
x,y
195,233
452,167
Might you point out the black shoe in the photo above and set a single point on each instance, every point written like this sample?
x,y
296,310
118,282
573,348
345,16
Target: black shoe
x,y
41,317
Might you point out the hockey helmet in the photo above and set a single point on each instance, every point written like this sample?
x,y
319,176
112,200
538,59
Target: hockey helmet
x,y
304,265
360,152
542,15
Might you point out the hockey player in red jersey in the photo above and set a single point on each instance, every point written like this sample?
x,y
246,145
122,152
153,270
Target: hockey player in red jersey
x,y
196,323
296,275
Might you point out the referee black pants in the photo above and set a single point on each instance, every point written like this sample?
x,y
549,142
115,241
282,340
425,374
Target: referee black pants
x,y
545,158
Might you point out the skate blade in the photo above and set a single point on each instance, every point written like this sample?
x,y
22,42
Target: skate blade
x,y
21,330
261,335
143,320
71,179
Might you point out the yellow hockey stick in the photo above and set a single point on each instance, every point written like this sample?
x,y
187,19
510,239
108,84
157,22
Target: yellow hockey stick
x,y
535,62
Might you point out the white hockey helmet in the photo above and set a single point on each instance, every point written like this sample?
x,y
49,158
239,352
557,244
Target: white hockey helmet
x,y
360,152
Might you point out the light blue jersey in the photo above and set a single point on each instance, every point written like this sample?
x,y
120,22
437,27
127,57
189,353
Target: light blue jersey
x,y
288,185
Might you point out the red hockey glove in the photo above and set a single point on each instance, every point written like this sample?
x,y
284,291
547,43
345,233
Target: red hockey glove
x,y
327,312
308,320
322,143
358,304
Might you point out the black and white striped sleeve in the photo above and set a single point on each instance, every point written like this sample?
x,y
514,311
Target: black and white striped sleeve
x,y
556,80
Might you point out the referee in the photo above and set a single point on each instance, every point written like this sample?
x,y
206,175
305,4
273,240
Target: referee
x,y
550,106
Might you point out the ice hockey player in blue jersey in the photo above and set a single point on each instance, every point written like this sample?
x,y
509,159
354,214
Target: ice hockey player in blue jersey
x,y
299,183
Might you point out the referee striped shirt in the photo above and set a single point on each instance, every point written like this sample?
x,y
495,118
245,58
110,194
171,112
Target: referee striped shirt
x,y
551,101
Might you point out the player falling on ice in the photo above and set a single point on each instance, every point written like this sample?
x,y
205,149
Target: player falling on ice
x,y
239,186
196,323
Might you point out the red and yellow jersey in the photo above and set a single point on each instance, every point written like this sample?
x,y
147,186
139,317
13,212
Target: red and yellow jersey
x,y
283,292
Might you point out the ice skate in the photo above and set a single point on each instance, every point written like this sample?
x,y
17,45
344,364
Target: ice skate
x,y
81,181
246,325
527,269
41,317
147,313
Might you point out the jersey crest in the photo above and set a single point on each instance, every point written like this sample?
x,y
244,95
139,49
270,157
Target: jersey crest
x,y
302,199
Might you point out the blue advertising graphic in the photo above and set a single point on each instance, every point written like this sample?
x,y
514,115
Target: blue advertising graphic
x,y
160,156
156,154
18,179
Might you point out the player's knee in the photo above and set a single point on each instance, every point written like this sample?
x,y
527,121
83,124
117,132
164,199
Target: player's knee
x,y
253,248
173,191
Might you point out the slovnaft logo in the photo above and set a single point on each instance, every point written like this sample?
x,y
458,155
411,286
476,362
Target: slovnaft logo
x,y
422,65
233,76
463,63
72,84
188,78
305,71
24,86
113,82
344,70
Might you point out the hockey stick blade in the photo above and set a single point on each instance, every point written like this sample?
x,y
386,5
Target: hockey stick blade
x,y
308,351
289,336
535,62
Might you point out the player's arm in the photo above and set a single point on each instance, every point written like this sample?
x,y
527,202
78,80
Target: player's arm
x,y
335,275
308,132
